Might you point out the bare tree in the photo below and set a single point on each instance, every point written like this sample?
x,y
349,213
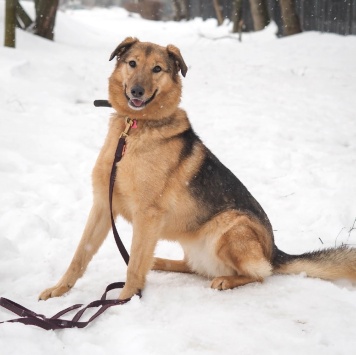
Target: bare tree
x,y
22,19
10,23
259,12
180,9
219,15
236,17
291,24
46,11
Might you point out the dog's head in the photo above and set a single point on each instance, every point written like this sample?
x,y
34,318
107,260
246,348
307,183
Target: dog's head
x,y
146,83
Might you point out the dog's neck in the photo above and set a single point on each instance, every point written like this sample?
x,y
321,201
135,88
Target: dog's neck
x,y
156,123
156,128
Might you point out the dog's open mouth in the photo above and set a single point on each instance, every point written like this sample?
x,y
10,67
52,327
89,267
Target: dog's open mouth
x,y
139,104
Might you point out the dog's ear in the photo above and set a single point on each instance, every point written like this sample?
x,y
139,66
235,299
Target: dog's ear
x,y
123,47
174,53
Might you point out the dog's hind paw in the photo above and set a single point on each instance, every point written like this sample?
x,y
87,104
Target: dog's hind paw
x,y
221,283
55,291
228,282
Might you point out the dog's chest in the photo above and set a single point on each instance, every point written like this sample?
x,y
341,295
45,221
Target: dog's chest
x,y
141,175
136,176
202,259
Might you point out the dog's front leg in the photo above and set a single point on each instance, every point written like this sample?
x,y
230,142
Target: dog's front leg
x,y
143,245
95,231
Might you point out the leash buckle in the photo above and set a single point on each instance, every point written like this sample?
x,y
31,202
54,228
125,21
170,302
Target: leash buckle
x,y
129,124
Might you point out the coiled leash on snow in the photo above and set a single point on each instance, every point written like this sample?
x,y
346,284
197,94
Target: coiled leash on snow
x,y
29,317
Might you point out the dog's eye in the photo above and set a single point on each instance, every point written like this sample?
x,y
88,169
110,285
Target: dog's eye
x,y
157,69
132,63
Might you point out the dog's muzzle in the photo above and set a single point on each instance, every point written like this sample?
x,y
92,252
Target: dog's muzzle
x,y
136,102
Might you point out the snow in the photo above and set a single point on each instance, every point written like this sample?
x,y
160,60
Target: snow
x,y
280,113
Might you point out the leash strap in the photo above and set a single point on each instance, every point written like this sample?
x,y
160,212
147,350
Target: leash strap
x,y
118,155
55,322
29,317
120,150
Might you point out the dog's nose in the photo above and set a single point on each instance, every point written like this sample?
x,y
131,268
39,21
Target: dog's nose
x,y
137,91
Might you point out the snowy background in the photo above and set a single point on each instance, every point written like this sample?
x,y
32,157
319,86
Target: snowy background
x,y
280,113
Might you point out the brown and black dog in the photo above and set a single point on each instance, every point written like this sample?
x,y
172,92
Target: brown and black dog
x,y
170,186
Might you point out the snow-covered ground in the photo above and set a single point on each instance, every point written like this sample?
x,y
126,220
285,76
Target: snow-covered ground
x,y
280,113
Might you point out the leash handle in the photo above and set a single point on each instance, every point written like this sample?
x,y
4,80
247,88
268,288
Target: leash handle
x,y
102,103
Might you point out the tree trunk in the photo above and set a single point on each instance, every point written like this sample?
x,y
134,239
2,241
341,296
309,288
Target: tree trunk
x,y
22,17
10,23
291,24
186,9
46,11
219,15
259,14
236,16
180,10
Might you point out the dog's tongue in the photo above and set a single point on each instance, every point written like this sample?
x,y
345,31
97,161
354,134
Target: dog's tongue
x,y
137,102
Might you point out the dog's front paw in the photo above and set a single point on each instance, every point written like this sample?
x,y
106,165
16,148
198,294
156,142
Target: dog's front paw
x,y
128,292
54,291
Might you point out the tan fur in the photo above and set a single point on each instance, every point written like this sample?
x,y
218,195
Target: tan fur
x,y
152,187
328,264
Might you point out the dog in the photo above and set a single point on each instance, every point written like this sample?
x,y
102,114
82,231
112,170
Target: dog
x,y
170,186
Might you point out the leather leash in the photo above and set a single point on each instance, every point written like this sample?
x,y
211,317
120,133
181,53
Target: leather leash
x,y
118,155
55,322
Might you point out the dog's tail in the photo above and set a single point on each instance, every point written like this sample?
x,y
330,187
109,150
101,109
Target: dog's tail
x,y
327,264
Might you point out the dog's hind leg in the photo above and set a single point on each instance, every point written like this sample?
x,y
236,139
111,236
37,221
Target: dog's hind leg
x,y
171,265
241,249
95,231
